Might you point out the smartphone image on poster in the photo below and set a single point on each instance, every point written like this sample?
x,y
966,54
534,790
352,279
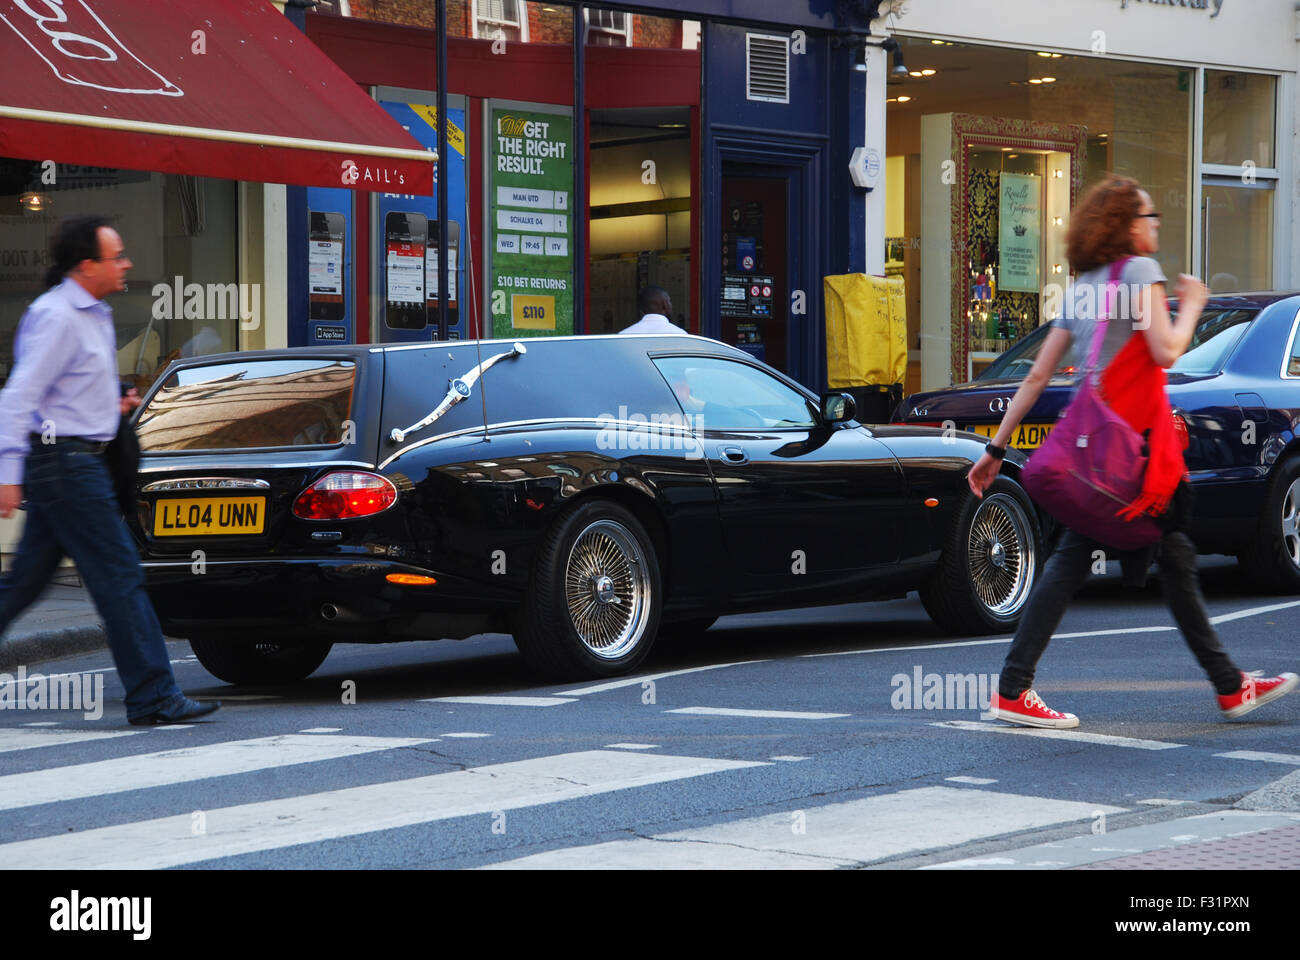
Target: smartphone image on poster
x,y
325,278
431,276
405,238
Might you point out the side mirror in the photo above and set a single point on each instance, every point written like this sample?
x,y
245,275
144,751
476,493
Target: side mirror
x,y
837,407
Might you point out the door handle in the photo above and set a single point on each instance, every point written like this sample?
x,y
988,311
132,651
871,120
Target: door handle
x,y
733,455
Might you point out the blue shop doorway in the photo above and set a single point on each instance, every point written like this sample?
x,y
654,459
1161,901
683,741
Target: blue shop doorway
x,y
762,246
755,218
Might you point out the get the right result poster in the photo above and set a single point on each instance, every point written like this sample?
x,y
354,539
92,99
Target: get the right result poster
x,y
530,231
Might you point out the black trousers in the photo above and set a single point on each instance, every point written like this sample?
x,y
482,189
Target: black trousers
x,y
1065,572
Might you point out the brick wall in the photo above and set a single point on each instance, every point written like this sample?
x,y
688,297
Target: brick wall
x,y
656,32
554,27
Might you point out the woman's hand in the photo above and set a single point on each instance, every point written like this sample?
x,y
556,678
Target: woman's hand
x,y
1191,293
983,474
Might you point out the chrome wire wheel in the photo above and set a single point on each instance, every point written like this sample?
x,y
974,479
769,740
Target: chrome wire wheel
x,y
1001,552
1291,523
607,589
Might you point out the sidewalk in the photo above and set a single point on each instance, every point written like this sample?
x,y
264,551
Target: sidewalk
x,y
61,623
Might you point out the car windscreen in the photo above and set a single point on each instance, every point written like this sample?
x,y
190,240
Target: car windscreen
x,y
1018,360
1216,334
247,404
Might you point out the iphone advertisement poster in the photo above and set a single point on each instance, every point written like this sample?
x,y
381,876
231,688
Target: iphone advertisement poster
x,y
410,300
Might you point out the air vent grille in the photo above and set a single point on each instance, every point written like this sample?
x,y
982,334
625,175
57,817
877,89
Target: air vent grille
x,y
767,73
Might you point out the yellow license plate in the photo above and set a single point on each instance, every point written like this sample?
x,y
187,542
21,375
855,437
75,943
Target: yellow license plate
x,y
209,516
1028,436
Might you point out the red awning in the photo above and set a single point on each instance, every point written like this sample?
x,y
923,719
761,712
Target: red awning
x,y
211,88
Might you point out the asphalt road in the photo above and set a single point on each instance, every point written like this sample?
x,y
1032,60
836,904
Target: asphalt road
x,y
783,740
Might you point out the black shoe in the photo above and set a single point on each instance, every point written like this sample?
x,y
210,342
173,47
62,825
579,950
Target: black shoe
x,y
179,711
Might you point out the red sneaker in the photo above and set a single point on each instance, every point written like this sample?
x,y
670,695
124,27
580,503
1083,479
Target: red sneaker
x,y
1030,711
1255,692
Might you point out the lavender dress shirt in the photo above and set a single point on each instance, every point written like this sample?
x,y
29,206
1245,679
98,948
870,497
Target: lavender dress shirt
x,y
64,377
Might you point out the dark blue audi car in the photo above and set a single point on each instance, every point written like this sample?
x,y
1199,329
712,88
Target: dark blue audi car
x,y
1237,389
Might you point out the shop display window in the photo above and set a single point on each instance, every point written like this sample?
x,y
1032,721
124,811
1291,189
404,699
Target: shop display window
x,y
183,297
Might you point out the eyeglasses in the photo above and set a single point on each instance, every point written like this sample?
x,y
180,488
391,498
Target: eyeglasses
x,y
1149,216
119,257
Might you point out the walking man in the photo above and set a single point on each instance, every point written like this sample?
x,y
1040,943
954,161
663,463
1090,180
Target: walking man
x,y
58,411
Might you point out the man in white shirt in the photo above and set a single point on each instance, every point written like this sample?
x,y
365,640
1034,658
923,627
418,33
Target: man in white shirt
x,y
655,306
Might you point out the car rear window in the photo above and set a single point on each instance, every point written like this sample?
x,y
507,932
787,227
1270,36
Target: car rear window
x,y
1217,332
257,403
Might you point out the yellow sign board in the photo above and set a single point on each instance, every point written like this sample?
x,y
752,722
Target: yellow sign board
x,y
532,313
455,135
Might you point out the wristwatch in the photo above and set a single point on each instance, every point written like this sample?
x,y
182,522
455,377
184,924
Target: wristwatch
x,y
996,452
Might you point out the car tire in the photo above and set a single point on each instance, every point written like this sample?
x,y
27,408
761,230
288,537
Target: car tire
x,y
989,563
595,597
1271,561
260,662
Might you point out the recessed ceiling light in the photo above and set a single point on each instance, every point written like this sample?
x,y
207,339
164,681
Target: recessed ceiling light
x,y
1049,79
904,99
928,72
937,43
1012,156
914,73
1035,80
1043,53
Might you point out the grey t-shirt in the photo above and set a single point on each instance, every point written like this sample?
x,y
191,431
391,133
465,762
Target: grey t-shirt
x,y
1087,297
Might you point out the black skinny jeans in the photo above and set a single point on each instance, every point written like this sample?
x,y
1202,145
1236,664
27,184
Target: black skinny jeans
x,y
1065,572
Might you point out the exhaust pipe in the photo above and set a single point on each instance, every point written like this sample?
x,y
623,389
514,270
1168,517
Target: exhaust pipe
x,y
334,613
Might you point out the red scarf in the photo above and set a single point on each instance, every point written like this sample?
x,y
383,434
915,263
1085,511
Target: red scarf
x,y
1133,385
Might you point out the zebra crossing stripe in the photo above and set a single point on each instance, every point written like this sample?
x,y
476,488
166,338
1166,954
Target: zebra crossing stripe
x,y
82,780
835,835
313,818
27,738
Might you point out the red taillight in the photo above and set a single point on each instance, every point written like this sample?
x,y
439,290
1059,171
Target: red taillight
x,y
344,495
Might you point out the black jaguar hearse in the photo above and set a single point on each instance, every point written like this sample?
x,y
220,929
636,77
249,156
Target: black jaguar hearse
x,y
582,493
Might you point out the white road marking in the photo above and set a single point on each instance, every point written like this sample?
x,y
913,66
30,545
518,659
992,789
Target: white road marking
x,y
985,643
26,738
1161,802
466,736
788,759
637,681
1290,758
101,777
973,781
1078,736
631,746
506,701
838,834
772,714
42,723
321,730
274,824
1253,611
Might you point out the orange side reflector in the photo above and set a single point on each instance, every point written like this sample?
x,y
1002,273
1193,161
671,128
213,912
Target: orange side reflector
x,y
931,502
410,579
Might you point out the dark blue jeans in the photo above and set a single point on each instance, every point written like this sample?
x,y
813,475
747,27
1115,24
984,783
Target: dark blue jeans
x,y
71,511
1068,568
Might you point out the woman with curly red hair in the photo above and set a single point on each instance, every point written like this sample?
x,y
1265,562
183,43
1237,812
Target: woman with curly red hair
x,y
1112,232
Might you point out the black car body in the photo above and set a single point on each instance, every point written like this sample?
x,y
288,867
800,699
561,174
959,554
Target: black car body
x,y
575,491
1237,390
